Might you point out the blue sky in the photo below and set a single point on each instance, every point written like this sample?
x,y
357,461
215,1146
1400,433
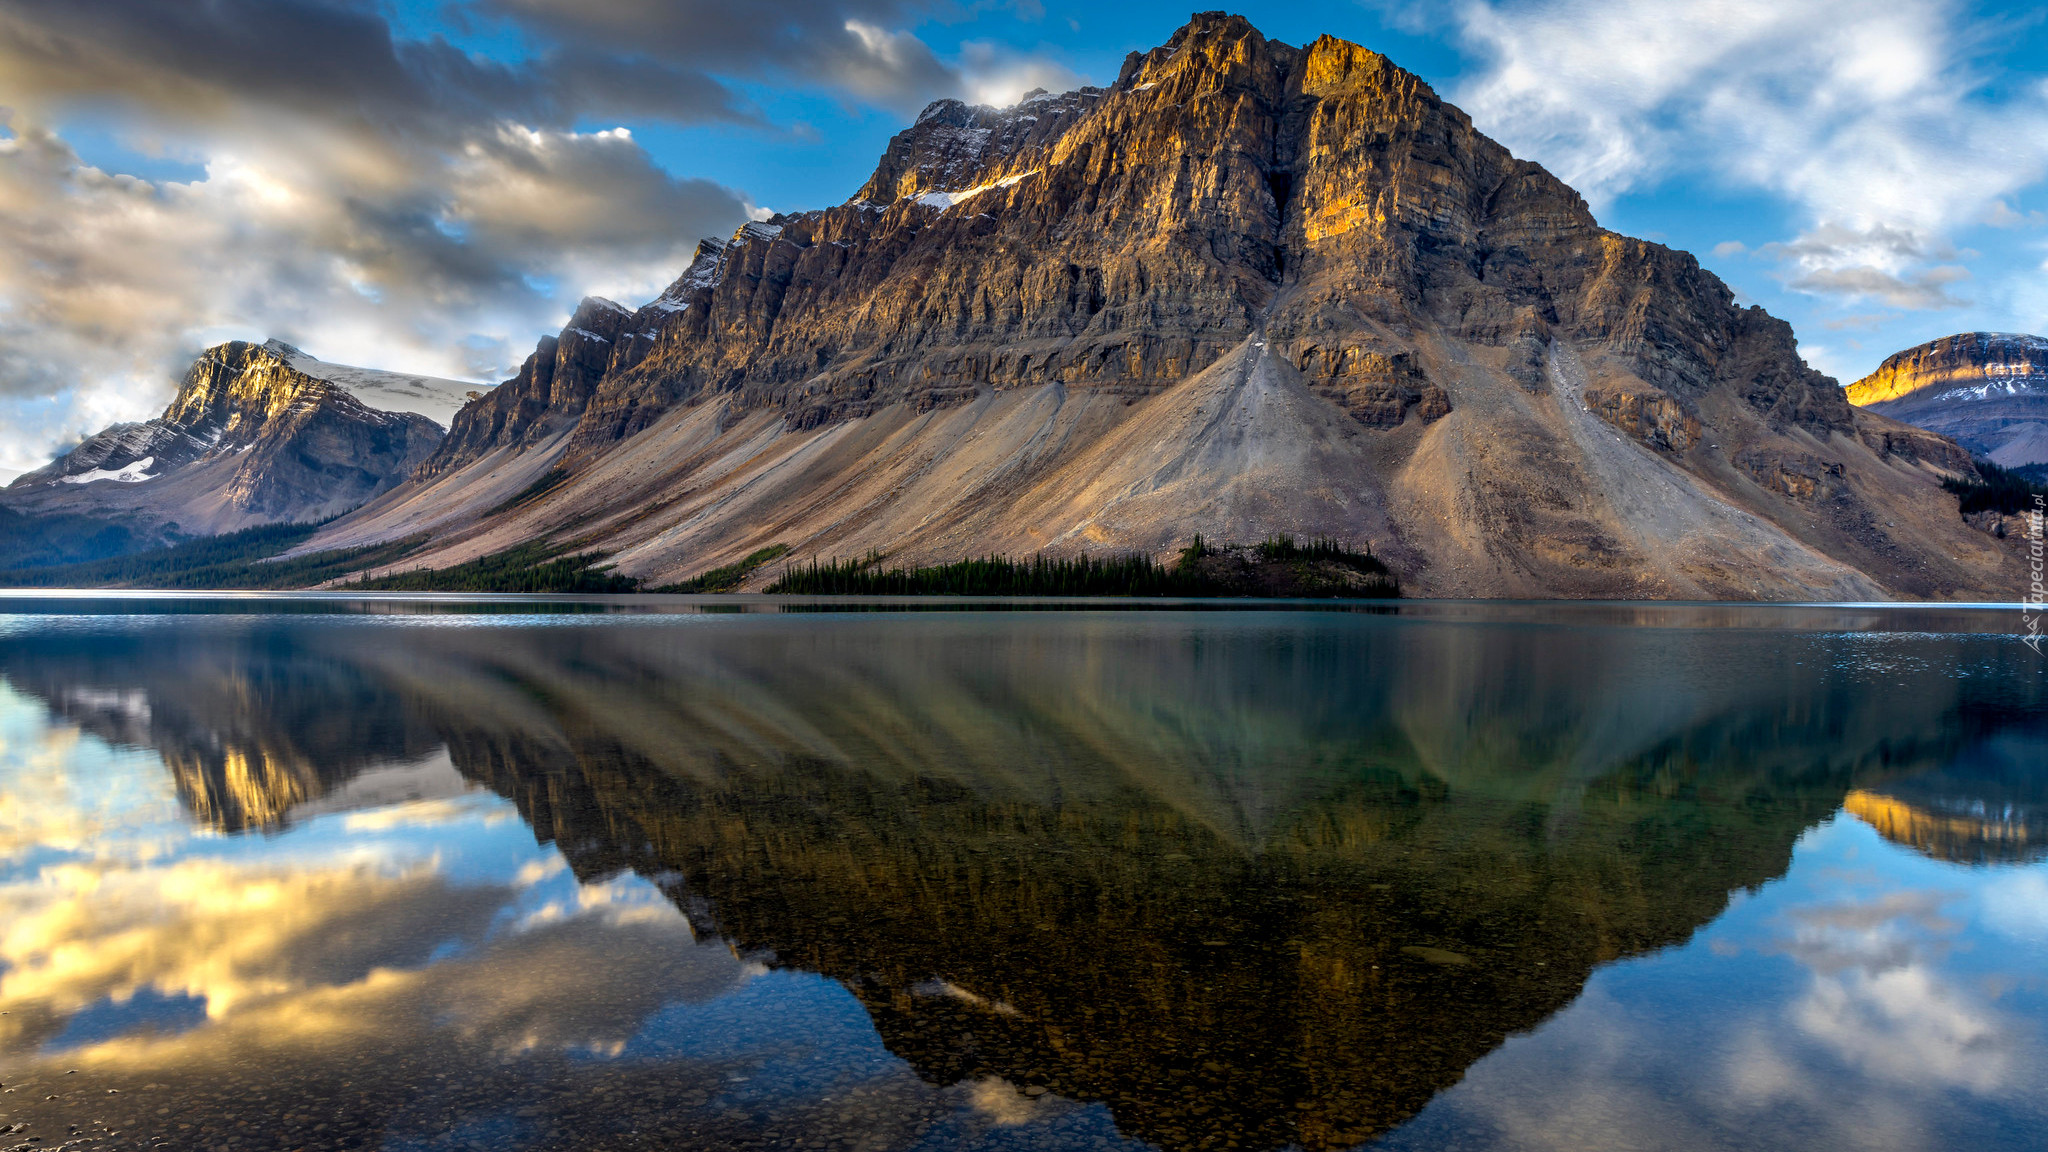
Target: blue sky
x,y
431,185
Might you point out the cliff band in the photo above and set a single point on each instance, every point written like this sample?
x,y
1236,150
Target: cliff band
x,y
1986,390
1248,288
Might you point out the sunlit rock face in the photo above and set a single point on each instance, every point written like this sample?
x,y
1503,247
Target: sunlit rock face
x,y
1247,288
1988,391
250,438
1278,884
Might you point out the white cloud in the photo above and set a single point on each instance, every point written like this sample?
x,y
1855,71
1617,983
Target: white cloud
x,y
1872,119
991,74
1910,1027
379,200
2016,905
439,262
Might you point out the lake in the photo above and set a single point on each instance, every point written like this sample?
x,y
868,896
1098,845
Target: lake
x,y
446,873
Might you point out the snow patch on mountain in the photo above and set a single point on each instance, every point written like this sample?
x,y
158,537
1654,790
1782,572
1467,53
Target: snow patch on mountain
x,y
945,200
132,473
431,396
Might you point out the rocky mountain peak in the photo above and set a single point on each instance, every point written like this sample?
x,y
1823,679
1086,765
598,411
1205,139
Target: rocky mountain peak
x,y
1982,362
954,145
234,389
1986,390
1247,288
248,438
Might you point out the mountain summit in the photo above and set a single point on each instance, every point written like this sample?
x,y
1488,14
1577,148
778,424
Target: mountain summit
x,y
257,433
1248,288
1987,390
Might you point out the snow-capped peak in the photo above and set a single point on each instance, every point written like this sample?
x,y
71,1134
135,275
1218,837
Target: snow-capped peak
x,y
431,396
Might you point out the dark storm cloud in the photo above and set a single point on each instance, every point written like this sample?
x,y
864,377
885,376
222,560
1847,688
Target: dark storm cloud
x,y
332,61
841,42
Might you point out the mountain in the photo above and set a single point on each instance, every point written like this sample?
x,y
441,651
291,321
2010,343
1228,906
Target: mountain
x,y
1248,288
385,391
1988,391
256,434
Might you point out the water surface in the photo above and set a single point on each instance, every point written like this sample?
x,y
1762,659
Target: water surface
x,y
335,873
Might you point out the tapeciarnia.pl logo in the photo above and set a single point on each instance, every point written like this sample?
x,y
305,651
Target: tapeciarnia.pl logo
x,y
2037,596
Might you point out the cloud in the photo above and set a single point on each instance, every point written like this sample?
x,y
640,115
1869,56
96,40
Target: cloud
x,y
859,47
1873,263
376,197
2003,215
414,921
441,263
398,203
991,74
331,61
856,46
1909,1026
889,68
338,952
1873,120
2016,905
1862,322
1921,290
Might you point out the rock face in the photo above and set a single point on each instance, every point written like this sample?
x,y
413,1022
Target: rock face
x,y
1248,288
435,398
1988,391
249,439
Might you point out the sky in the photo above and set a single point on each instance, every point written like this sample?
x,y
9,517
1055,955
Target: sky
x,y
431,185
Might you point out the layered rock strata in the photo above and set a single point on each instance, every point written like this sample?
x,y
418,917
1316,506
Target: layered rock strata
x,y
248,439
1988,391
1247,288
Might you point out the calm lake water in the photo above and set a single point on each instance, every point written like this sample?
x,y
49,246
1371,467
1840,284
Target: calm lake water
x,y
395,874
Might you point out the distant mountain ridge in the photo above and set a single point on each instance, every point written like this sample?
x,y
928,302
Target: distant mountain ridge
x,y
1988,391
253,436
435,398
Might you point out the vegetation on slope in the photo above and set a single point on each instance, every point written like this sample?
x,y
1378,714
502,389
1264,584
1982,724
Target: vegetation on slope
x,y
727,577
2007,492
1278,567
245,560
1281,566
990,576
536,566
28,541
236,560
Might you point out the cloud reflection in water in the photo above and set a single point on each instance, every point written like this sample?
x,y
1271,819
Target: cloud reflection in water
x,y
953,882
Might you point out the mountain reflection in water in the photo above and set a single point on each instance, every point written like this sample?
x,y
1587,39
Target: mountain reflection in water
x,y
1234,880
